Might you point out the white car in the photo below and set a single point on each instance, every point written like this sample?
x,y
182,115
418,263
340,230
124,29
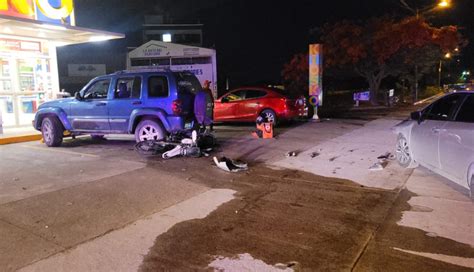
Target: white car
x,y
441,138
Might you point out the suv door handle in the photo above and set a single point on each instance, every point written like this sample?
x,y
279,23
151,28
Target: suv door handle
x,y
136,102
101,104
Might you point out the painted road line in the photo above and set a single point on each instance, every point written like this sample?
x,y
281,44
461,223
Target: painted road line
x,y
49,149
20,139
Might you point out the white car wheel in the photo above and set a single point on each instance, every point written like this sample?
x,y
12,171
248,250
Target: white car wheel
x,y
403,153
471,189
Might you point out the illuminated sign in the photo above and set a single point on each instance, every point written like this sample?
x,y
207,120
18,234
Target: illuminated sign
x,y
316,74
17,45
52,11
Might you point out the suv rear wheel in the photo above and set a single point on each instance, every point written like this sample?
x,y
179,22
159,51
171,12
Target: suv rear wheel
x,y
149,130
52,131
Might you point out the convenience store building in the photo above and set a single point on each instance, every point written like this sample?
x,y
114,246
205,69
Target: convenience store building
x,y
30,32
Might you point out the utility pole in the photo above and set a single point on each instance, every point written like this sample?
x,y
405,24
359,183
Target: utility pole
x,y
439,72
416,83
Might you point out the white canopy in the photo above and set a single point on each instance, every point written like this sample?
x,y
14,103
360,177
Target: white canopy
x,y
62,34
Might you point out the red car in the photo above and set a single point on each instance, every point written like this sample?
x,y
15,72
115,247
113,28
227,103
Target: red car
x,y
247,104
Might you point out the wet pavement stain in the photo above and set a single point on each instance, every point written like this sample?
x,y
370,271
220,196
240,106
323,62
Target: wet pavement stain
x,y
284,216
278,217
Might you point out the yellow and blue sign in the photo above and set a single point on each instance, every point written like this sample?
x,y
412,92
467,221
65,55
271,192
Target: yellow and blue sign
x,y
51,11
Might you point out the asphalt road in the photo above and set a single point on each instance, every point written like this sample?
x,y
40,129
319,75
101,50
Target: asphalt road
x,y
54,201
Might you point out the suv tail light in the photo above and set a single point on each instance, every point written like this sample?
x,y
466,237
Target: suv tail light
x,y
177,107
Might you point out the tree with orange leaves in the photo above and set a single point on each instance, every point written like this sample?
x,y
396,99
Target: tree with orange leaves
x,y
379,48
382,47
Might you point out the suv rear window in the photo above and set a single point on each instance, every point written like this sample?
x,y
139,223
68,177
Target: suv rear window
x,y
187,83
158,87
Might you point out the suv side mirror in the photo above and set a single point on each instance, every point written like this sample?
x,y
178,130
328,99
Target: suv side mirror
x,y
78,96
416,115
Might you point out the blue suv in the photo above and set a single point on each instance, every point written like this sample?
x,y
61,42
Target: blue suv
x,y
149,104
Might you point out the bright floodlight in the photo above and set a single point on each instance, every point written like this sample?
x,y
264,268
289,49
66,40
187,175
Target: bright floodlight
x,y
447,56
99,38
444,4
167,37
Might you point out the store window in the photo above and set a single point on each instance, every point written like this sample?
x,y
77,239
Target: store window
x,y
5,76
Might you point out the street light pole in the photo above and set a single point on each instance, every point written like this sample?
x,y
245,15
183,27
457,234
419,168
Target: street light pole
x,y
439,72
442,4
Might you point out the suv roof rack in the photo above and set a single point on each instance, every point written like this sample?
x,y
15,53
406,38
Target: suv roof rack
x,y
150,69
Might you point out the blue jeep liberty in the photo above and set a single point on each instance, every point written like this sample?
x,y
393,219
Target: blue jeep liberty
x,y
149,104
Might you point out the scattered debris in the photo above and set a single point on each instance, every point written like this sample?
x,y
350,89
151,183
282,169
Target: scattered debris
x,y
386,156
24,188
16,179
229,165
69,204
46,227
382,161
333,158
378,166
314,155
291,154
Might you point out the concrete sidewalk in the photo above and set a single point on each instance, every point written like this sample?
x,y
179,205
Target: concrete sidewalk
x,y
438,207
123,249
351,155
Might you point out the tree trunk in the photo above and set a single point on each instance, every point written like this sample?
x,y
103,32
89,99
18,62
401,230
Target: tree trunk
x,y
374,85
374,78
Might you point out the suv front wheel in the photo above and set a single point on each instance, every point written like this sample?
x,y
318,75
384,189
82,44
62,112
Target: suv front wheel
x,y
149,130
52,131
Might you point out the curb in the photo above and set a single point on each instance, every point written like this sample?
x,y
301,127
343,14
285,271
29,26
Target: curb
x,y
20,139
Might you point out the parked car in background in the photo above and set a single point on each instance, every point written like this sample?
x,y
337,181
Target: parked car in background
x,y
453,88
148,104
248,103
441,138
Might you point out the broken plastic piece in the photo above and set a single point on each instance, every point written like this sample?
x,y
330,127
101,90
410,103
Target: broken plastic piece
x,y
291,154
376,167
385,156
229,165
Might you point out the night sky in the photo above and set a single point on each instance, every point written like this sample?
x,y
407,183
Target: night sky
x,y
253,38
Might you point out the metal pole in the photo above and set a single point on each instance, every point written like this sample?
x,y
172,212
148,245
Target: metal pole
x,y
416,83
439,72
